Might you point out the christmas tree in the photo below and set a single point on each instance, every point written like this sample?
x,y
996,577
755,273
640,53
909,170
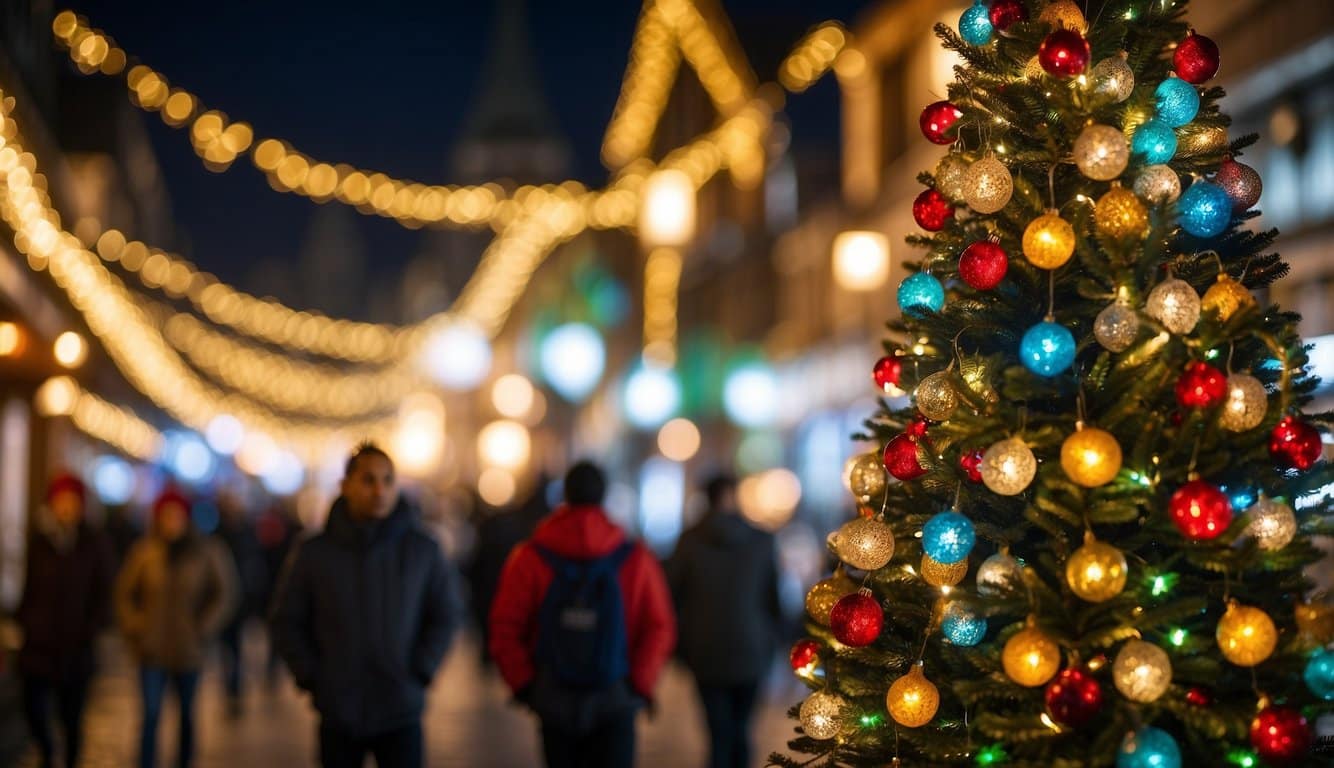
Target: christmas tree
x,y
1092,555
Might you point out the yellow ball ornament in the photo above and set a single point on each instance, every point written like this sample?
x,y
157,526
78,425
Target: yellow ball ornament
x,y
1096,571
950,174
988,185
936,398
1246,403
866,477
1030,657
821,598
938,574
1226,296
1120,215
1315,623
1049,241
1091,457
865,543
1142,671
913,700
1246,635
1064,14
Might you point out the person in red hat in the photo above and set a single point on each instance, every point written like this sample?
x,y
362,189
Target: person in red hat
x,y
174,593
66,602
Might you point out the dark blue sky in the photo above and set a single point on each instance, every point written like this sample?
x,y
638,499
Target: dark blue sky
x,y
386,86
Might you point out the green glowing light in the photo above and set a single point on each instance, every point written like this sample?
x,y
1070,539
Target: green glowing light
x,y
992,755
1211,354
1163,583
870,721
1177,637
1242,758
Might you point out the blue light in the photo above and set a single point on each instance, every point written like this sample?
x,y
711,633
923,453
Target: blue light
x,y
751,396
457,356
1149,747
975,24
921,292
113,480
283,475
1204,209
1319,675
651,397
962,627
572,358
661,501
1155,140
188,457
1240,496
1047,349
948,537
1176,101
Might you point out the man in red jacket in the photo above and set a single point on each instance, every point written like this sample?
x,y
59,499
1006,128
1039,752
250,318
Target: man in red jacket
x,y
550,636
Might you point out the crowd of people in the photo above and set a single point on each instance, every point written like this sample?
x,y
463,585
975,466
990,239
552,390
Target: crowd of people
x,y
578,618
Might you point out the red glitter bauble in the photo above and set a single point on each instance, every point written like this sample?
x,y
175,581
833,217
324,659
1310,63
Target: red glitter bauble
x,y
1196,58
1280,735
1007,12
931,210
917,427
804,653
1199,697
887,373
937,120
901,458
983,265
1241,182
1065,53
856,619
971,464
1201,386
1200,510
1074,697
1294,444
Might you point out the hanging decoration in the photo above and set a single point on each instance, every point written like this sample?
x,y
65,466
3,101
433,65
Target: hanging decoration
x,y
1008,467
1200,510
1113,78
1196,58
1116,326
1294,444
1246,635
937,122
1047,349
857,619
1158,184
822,715
1101,152
1272,524
912,700
987,186
900,458
983,264
1030,658
1175,304
948,537
1097,571
1049,240
1142,671
1241,183
1245,405
1074,697
865,543
919,294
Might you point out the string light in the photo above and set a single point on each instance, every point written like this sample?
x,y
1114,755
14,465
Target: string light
x,y
812,56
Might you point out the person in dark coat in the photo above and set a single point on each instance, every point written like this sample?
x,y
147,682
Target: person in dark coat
x,y
66,601
277,531
364,616
238,535
724,581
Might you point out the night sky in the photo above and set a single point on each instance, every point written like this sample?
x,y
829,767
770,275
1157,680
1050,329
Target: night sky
x,y
386,86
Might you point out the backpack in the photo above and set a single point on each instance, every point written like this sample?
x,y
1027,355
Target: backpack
x,y
581,637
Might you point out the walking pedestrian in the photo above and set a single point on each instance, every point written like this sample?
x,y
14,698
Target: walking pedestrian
x,y
174,592
237,534
724,581
363,617
580,628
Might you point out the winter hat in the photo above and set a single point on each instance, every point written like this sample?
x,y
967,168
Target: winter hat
x,y
168,497
66,482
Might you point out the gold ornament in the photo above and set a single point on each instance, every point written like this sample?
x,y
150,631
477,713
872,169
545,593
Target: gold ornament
x,y
1064,14
998,575
938,574
822,714
1120,215
1158,184
1203,140
1030,657
1272,524
865,543
1116,326
949,176
866,476
1246,635
912,700
1245,405
1142,671
987,186
1315,623
1008,467
820,600
1101,152
1113,78
1175,304
1049,240
1033,69
936,398
1091,457
1226,296
1096,571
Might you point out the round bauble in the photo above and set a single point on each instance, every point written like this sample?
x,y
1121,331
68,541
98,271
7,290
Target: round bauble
x,y
887,373
1201,386
949,175
1091,457
822,596
1226,297
857,619
939,574
1176,102
1241,183
1148,747
1142,671
1154,141
912,700
1064,53
988,185
1113,78
900,458
822,715
1049,241
948,537
1158,184
805,654
1120,215
1008,467
937,122
867,478
1007,12
1281,736
983,265
1074,697
1116,327
1196,58
931,210
1246,635
1175,304
1101,152
1271,523
1096,572
865,543
1294,444
1204,209
975,24
999,575
1245,404
1030,658
936,397
920,294
1047,349
1200,511
962,627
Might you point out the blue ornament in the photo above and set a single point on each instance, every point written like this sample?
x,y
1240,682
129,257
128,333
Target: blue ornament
x,y
1155,140
921,292
1319,675
948,537
1047,349
1177,102
975,24
1204,209
1149,747
1241,495
961,627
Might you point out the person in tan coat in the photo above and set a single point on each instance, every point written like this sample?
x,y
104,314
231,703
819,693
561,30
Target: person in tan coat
x,y
175,592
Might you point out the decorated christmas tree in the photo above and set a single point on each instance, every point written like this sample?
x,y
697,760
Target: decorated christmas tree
x,y
1090,552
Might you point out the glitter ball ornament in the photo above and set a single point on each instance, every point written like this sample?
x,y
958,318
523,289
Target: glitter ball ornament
x,y
916,428
912,700
1119,215
975,24
1175,304
1226,296
1201,386
1101,152
998,575
949,175
1319,674
1158,184
1142,671
1113,78
865,543
1007,12
1047,349
931,210
971,464
1280,735
805,655
1155,141
1199,697
937,122
1091,457
822,715
1030,657
1064,14
988,185
1294,444
1315,623
1148,747
1096,572
939,574
900,458
857,619
825,593
1116,326
1008,467
1272,524
867,477
962,627
948,537
921,293
983,265
936,398
1196,58
1049,241
1064,53
887,373
1204,209
1241,183
1176,102
1245,405
1074,697
1246,635
1200,510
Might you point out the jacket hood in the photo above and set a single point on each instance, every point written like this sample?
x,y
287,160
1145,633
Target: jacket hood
x,y
725,529
580,532
343,528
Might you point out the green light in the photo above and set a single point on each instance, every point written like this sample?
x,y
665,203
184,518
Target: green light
x,y
1177,638
1242,757
1163,583
1211,354
991,755
870,721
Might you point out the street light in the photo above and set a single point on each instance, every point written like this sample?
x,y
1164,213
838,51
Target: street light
x,y
861,260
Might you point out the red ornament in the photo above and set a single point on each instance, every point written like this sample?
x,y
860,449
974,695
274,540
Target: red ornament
x,y
887,373
1007,12
1200,510
983,264
857,618
1199,697
971,464
931,210
1280,735
804,654
1241,182
1196,58
901,458
1074,697
1201,386
917,427
1065,53
1295,444
936,121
